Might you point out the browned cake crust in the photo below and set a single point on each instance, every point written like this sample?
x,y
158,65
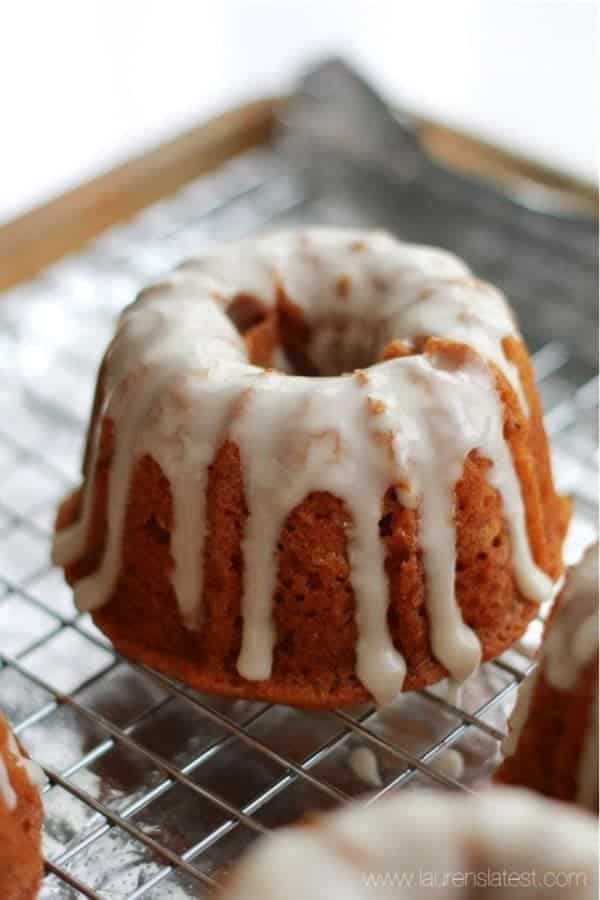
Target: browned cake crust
x,y
314,606
552,739
556,717
20,856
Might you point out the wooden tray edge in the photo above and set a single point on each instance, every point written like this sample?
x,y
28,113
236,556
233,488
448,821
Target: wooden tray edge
x,y
50,231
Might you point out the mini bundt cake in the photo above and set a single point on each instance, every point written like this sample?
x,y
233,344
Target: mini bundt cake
x,y
20,820
552,745
503,843
316,472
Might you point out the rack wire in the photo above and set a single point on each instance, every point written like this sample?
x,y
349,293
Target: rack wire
x,y
155,790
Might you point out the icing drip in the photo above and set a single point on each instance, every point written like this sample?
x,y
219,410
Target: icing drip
x,y
454,691
449,762
6,789
179,384
34,773
363,763
148,402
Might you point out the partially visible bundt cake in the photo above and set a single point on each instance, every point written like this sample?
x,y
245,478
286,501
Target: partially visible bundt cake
x,y
20,820
552,745
503,843
316,472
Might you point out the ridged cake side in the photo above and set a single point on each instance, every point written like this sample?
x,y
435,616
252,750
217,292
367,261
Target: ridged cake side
x,y
552,746
20,821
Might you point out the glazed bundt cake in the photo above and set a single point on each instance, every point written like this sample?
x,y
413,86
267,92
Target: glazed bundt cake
x,y
552,745
20,820
316,472
504,843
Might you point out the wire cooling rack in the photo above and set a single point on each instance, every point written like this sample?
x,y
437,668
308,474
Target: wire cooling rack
x,y
155,790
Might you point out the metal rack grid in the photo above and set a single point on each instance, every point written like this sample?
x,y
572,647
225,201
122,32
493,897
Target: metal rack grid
x,y
153,789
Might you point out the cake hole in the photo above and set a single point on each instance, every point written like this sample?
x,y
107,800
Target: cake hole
x,y
347,341
497,542
280,336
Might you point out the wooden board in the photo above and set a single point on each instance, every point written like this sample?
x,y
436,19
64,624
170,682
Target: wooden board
x,y
47,233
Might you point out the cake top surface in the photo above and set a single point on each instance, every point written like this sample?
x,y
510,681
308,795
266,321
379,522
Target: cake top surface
x,y
363,289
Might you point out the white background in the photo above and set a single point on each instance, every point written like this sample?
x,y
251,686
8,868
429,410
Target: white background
x,y
86,83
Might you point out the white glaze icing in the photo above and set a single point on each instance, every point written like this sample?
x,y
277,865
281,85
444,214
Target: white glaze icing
x,y
178,384
426,845
449,762
32,770
34,773
363,762
454,691
6,789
